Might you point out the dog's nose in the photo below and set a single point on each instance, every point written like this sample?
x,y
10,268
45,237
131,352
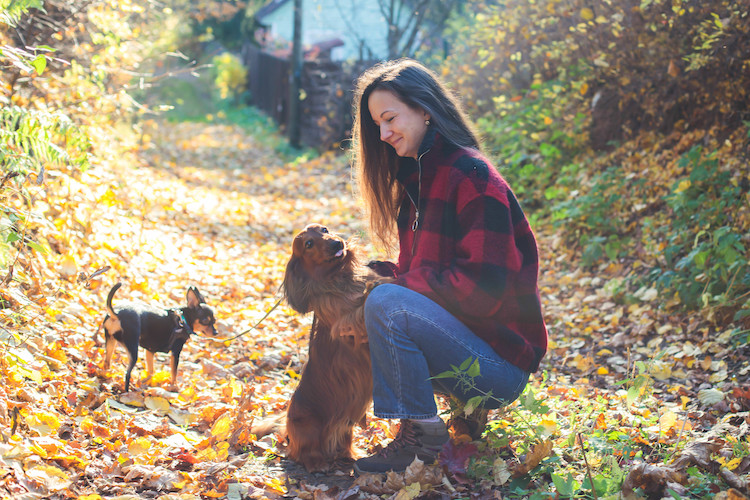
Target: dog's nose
x,y
337,245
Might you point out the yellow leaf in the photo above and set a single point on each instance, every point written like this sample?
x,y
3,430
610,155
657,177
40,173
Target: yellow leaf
x,y
548,120
661,370
109,198
734,463
584,89
222,427
187,394
160,377
222,451
138,446
667,421
682,186
276,484
587,14
549,426
52,477
582,363
132,399
45,445
602,370
409,492
181,417
43,423
157,403
33,375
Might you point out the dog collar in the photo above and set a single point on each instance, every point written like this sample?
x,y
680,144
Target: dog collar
x,y
182,323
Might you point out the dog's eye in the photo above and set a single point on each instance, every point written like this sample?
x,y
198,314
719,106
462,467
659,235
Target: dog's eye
x,y
324,230
309,244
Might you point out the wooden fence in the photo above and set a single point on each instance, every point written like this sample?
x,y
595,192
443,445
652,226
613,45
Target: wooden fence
x,y
326,88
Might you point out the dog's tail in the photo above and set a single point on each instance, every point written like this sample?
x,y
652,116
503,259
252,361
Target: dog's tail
x,y
111,323
109,299
275,424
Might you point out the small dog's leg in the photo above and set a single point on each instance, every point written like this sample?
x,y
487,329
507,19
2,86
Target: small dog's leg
x,y
149,364
109,344
131,364
173,360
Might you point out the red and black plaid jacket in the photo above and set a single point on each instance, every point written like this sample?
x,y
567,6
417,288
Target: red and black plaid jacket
x,y
473,251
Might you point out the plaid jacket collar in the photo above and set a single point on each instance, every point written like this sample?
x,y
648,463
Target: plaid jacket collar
x,y
408,172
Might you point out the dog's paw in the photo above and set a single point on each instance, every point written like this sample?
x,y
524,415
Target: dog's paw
x,y
370,286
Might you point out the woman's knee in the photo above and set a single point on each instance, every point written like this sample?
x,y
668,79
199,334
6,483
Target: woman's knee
x,y
379,300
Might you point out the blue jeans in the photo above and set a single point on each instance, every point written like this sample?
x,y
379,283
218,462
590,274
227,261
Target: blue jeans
x,y
412,339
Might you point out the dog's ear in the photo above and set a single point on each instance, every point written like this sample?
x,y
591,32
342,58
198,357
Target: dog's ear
x,y
295,286
194,297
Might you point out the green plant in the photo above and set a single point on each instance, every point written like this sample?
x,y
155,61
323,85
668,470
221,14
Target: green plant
x,y
588,215
12,10
230,76
532,138
31,141
706,257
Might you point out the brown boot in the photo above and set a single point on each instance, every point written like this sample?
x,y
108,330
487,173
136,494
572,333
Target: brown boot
x,y
415,439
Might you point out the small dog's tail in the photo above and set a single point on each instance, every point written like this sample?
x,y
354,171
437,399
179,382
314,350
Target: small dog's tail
x,y
111,323
111,295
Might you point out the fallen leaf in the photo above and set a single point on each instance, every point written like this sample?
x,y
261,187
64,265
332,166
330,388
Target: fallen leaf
x,y
534,457
709,397
500,472
157,404
50,476
455,458
408,493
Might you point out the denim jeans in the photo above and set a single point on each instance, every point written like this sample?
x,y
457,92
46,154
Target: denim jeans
x,y
412,339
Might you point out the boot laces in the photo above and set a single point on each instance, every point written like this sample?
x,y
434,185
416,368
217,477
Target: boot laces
x,y
408,435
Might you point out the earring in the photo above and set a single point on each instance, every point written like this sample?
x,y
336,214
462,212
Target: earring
x,y
427,122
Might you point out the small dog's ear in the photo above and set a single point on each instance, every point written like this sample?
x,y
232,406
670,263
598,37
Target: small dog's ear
x,y
194,297
295,286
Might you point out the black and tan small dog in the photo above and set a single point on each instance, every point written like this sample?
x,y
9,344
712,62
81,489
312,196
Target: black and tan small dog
x,y
155,329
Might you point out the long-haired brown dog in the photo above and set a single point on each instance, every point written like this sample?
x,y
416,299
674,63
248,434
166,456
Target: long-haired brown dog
x,y
323,276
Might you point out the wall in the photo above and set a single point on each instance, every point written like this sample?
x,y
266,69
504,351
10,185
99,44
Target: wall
x,y
359,23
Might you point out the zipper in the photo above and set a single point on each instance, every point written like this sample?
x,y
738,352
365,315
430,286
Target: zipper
x,y
415,224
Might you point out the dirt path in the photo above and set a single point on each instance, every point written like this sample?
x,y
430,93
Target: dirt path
x,y
209,205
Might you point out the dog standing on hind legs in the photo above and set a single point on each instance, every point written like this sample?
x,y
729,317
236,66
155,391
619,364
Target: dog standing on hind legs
x,y
324,276
155,329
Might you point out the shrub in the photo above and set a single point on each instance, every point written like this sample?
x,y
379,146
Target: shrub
x,y
706,260
230,76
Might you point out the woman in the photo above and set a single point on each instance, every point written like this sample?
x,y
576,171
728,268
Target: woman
x,y
466,278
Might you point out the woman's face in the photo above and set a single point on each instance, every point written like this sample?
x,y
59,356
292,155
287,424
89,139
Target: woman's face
x,y
400,126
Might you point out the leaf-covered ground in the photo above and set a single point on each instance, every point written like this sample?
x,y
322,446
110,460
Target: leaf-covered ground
x,y
629,399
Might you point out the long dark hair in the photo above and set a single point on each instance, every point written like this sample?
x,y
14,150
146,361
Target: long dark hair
x,y
376,163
